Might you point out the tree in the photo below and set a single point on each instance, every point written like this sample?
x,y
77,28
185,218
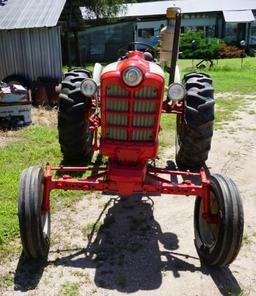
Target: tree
x,y
72,21
103,8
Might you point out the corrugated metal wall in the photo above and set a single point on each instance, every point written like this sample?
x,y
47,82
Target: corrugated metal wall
x,y
31,52
102,43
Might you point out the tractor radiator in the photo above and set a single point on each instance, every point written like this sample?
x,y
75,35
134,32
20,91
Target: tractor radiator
x,y
131,115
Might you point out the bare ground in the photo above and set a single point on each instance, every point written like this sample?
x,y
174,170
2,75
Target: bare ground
x,y
7,137
145,246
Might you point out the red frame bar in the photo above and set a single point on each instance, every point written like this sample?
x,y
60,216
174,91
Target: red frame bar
x,y
153,184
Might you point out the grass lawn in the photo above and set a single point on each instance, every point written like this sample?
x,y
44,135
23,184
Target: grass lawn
x,y
35,145
227,74
32,147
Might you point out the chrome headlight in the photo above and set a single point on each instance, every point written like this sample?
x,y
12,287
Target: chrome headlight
x,y
132,76
88,87
176,92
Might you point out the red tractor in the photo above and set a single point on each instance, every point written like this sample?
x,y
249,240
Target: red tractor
x,y
125,101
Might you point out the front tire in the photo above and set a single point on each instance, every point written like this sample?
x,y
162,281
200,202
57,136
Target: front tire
x,y
34,224
218,244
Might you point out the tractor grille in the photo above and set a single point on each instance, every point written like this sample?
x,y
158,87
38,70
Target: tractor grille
x,y
116,133
144,107
131,115
142,135
142,121
116,91
146,92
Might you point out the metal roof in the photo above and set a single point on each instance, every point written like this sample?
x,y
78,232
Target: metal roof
x,y
238,16
187,6
20,14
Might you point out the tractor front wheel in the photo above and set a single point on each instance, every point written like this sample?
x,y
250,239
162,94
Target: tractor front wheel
x,y
218,244
34,223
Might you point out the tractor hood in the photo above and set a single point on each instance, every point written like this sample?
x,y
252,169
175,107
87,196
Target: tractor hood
x,y
135,58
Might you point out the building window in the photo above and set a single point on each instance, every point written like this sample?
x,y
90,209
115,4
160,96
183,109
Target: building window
x,y
253,35
200,29
146,33
194,29
231,32
210,31
189,29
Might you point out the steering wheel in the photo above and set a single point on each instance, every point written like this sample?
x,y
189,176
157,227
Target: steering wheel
x,y
149,48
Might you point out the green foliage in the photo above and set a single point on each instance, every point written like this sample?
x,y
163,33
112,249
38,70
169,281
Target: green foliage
x,y
206,48
99,8
104,8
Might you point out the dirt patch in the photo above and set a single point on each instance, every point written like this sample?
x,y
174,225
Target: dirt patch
x,y
227,95
44,117
8,137
144,246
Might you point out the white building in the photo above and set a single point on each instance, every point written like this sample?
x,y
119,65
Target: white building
x,y
231,20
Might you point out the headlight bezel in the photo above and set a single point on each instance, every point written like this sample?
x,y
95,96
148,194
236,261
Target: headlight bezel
x,y
130,70
174,87
92,90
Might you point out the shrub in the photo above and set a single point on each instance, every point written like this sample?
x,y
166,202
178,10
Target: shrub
x,y
231,51
206,48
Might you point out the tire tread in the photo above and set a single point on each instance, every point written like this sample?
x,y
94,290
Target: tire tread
x,y
73,122
195,130
231,228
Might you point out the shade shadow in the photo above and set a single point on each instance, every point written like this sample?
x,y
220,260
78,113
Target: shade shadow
x,y
125,251
28,273
223,279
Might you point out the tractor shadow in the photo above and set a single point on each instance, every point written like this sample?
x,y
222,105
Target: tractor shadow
x,y
125,251
224,280
28,274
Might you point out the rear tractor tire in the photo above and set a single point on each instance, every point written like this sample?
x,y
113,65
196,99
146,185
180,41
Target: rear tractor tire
x,y
34,223
194,129
218,244
73,118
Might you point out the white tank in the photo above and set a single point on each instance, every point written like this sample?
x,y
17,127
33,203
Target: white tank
x,y
166,42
